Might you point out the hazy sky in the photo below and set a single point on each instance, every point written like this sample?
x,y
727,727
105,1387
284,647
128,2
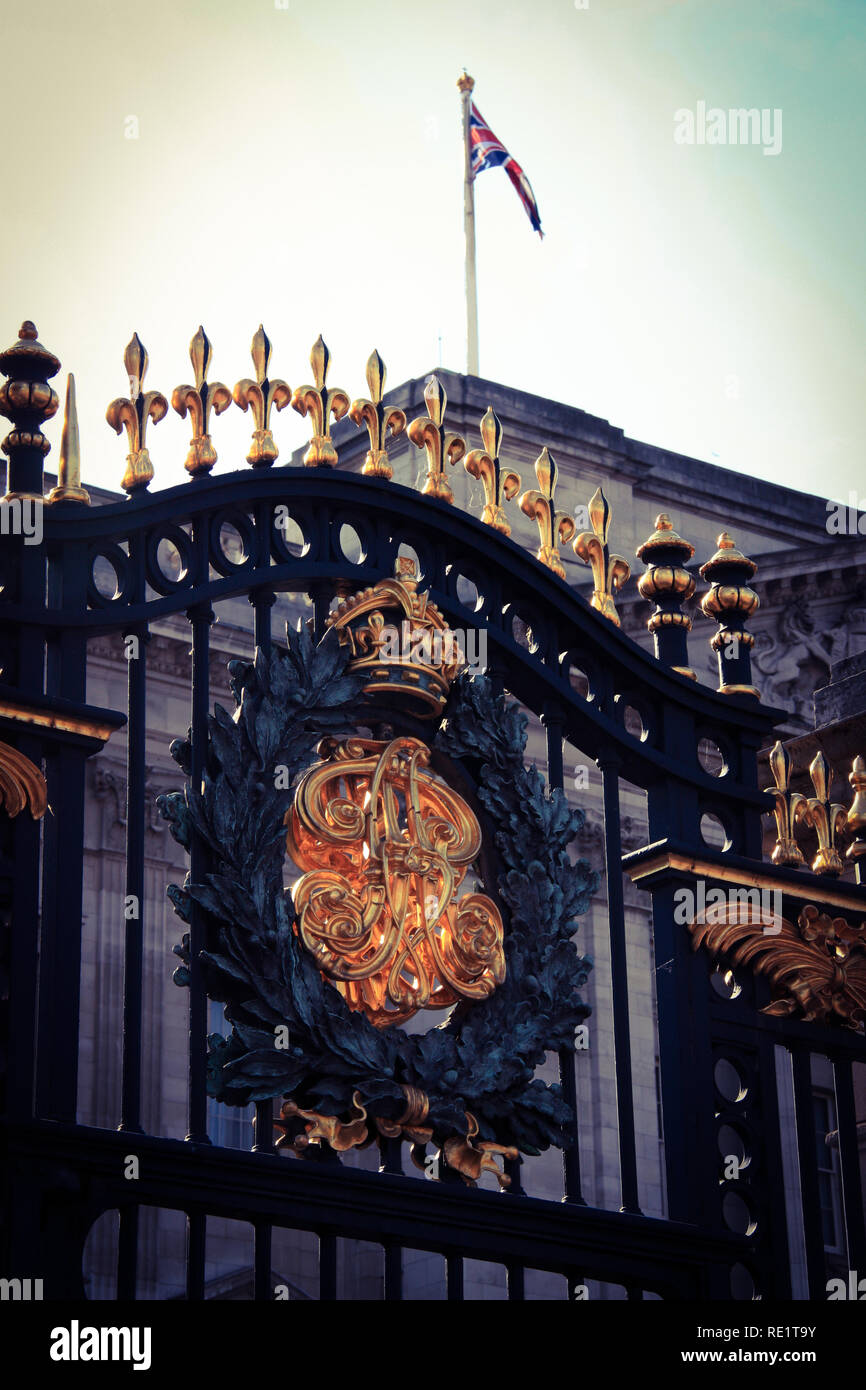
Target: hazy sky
x,y
302,165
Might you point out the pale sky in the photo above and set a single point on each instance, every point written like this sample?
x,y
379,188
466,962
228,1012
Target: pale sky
x,y
302,166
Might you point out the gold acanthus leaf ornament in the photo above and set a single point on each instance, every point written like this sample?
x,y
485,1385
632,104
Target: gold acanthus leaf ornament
x,y
386,847
21,784
817,967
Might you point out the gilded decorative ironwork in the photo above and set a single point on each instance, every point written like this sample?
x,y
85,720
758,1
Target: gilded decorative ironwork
x,y
262,396
816,967
414,657
472,1158
200,400
667,583
609,572
827,819
320,402
554,528
27,400
133,412
380,419
499,485
69,487
790,808
440,447
730,602
386,847
856,819
21,784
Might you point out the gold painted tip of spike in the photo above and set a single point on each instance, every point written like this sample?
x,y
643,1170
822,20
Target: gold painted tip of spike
x,y
491,432
135,360
69,487
376,372
464,82
260,352
27,331
664,536
728,554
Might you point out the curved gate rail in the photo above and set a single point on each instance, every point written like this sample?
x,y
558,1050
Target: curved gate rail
x,y
539,632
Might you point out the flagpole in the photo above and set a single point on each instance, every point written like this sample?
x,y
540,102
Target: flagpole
x,y
466,84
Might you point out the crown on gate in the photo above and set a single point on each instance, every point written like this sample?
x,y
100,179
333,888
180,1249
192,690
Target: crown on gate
x,y
400,641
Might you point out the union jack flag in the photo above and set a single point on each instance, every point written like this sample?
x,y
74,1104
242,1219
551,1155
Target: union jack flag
x,y
488,151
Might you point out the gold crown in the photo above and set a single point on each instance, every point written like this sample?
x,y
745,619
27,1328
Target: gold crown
x,y
400,641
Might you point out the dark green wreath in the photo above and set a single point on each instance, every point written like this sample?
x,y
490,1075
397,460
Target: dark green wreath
x,y
484,1058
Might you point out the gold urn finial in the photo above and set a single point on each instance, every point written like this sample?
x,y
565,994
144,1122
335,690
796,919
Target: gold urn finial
x,y
441,447
200,400
731,602
465,83
826,818
261,396
133,412
609,572
554,528
69,487
790,809
320,402
379,419
667,583
499,487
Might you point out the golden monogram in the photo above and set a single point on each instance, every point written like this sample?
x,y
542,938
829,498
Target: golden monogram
x,y
387,845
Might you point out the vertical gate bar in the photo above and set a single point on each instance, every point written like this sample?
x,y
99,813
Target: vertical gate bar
x,y
196,1248
553,722
130,1114
327,1267
23,958
454,1276
263,601
264,1242
393,1272
127,1254
849,1163
810,1202
391,1151
609,765
60,937
515,1280
201,619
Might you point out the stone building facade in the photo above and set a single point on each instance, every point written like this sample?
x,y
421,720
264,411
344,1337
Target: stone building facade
x,y
812,587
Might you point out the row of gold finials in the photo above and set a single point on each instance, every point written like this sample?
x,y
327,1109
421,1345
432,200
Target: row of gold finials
x,y
323,403
830,820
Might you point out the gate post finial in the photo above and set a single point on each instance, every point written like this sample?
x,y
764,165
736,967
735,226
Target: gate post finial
x,y
609,572
200,400
134,411
320,402
499,486
827,818
730,602
667,582
261,396
378,418
27,400
789,810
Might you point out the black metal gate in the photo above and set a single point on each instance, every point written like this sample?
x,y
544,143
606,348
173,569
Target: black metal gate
x,y
718,1062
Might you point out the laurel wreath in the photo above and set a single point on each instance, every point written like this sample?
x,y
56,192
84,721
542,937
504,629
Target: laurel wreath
x,y
483,1059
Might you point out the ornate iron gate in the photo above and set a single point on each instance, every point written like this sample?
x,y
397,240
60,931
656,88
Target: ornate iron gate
x,y
717,1055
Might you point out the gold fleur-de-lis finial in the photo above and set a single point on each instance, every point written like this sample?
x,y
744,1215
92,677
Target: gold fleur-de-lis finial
x,y
200,400
499,487
826,818
320,402
69,487
262,395
789,810
554,528
609,572
440,447
133,412
856,821
378,418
